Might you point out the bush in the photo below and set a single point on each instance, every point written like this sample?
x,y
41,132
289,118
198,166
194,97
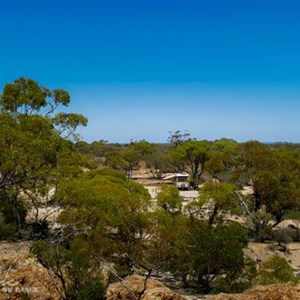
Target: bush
x,y
169,199
12,209
12,215
91,290
209,253
40,229
275,270
239,282
7,231
78,277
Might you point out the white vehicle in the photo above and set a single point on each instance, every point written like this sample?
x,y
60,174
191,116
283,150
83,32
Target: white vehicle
x,y
181,180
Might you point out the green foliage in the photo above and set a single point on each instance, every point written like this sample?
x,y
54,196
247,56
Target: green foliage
x,y
33,150
30,147
278,190
260,224
191,157
209,253
169,199
165,250
142,147
78,276
12,209
24,95
237,282
274,176
177,137
50,255
157,161
66,124
285,235
108,211
194,251
125,160
222,159
12,214
275,270
25,296
92,290
220,254
7,230
215,197
220,194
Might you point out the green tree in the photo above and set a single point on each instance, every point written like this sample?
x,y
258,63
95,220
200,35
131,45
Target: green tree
x,y
216,252
191,157
215,197
108,213
194,251
275,270
166,247
169,199
222,161
125,159
143,147
198,253
157,161
78,278
177,137
275,181
31,143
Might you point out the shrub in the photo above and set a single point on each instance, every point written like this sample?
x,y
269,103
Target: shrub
x,y
7,231
91,290
77,275
238,282
275,270
169,199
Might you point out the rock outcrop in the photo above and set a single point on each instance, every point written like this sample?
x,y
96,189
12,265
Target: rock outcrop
x,y
136,287
21,274
270,292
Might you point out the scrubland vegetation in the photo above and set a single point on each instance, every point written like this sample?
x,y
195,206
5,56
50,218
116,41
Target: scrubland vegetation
x,y
107,219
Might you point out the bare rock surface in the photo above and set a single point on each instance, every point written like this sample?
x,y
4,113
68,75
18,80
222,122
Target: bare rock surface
x,y
270,292
20,274
136,287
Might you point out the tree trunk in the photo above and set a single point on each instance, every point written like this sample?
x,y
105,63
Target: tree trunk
x,y
213,216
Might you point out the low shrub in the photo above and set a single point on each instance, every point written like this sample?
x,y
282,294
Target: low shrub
x,y
275,270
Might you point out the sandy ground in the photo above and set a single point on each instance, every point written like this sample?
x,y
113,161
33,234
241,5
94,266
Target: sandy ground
x,y
186,195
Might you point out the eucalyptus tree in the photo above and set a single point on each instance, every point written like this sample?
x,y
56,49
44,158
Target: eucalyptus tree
x,y
275,182
191,157
216,199
108,214
32,142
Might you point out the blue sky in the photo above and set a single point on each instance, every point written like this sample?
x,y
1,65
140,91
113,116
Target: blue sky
x,y
141,68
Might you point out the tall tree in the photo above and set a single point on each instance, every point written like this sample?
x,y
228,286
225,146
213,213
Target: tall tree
x,y
177,137
108,213
191,157
215,197
275,183
32,140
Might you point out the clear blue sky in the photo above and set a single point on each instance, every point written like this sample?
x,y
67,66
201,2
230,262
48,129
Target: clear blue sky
x,y
141,68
